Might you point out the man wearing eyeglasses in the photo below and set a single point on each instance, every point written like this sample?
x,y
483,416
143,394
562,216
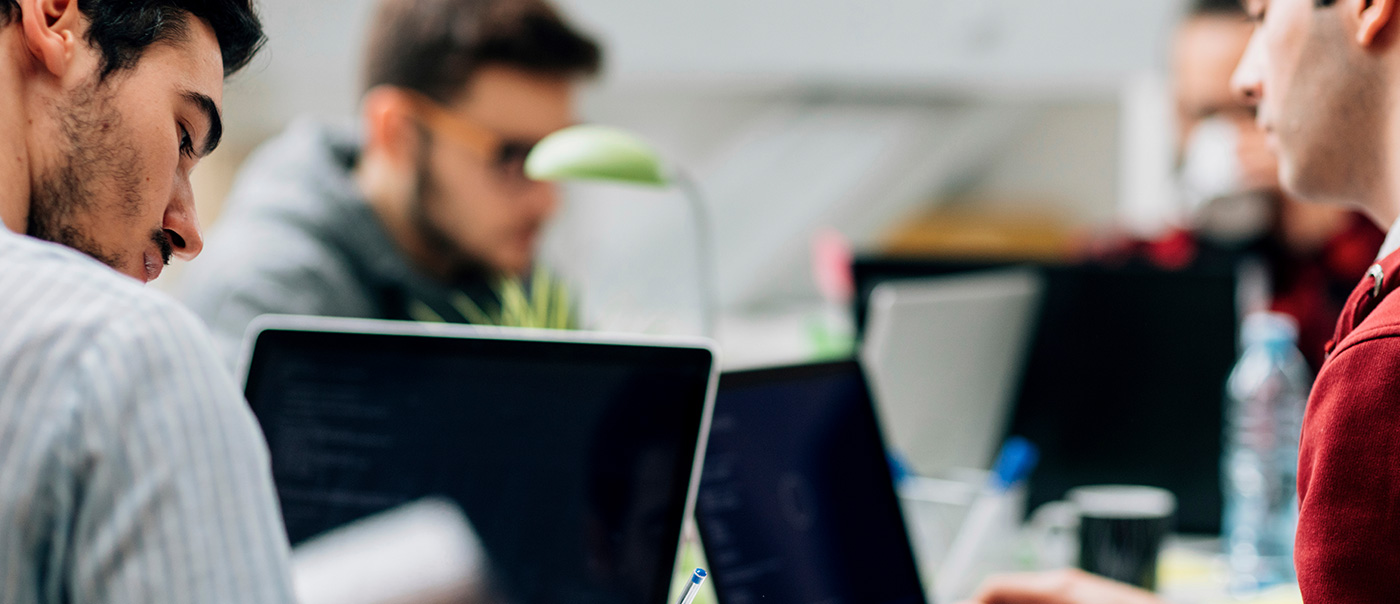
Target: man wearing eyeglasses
x,y
424,212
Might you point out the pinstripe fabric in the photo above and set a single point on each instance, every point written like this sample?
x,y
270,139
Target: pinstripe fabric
x,y
130,468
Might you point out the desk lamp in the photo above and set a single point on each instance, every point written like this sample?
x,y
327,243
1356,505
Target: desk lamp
x,y
601,153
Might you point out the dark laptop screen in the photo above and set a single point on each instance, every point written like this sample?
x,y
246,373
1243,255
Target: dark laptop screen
x,y
796,501
571,460
1126,376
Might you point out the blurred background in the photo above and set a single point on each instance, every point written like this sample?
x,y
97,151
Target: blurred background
x,y
996,127
834,140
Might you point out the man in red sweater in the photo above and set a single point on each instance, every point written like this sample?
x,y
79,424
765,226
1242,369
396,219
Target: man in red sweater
x,y
1325,77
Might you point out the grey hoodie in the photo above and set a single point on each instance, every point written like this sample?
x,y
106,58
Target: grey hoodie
x,y
298,237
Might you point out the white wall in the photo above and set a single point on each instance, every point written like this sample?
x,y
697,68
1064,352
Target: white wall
x,y
310,65
1061,46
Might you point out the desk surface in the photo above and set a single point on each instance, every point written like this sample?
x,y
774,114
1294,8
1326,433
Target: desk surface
x,y
1193,571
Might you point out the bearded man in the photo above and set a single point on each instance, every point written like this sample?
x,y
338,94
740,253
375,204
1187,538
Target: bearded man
x,y
130,468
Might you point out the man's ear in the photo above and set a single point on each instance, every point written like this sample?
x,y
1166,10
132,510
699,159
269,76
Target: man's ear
x,y
51,31
1374,17
389,126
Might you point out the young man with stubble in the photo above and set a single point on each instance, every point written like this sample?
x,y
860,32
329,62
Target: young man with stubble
x,y
131,470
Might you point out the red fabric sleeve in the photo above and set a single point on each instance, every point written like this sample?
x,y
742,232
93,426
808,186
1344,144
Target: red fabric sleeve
x,y
1348,547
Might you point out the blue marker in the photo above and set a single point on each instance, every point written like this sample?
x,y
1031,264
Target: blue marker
x,y
694,587
1015,462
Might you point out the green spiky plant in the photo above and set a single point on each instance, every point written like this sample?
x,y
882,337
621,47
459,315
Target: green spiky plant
x,y
545,304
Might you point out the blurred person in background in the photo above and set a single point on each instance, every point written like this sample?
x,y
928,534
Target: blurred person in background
x,y
131,470
1229,178
1234,206
424,211
1323,75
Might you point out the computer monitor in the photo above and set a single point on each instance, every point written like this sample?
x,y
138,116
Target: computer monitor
x,y
1125,382
944,356
572,456
797,503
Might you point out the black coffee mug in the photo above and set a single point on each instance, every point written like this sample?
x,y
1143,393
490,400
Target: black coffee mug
x,y
1122,529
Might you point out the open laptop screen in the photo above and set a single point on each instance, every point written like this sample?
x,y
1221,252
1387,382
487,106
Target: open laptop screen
x,y
796,502
571,459
945,356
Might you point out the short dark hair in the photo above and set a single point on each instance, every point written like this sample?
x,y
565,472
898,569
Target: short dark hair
x,y
1217,7
124,29
1204,8
436,47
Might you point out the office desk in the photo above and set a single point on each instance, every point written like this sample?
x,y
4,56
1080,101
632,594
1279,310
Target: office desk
x,y
1193,571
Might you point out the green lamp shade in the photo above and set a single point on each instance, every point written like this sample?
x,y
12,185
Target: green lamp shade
x,y
595,153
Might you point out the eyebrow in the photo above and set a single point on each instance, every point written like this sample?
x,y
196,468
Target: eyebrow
x,y
216,123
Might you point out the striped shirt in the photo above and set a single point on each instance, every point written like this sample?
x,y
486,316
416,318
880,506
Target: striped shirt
x,y
130,468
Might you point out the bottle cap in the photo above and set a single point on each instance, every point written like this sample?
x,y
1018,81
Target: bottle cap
x,y
1269,327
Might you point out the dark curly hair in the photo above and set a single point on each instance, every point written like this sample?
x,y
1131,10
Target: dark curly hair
x,y
123,29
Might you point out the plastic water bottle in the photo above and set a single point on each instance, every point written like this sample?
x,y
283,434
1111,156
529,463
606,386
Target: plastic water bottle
x,y
1268,392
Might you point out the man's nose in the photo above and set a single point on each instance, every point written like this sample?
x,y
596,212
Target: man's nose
x,y
1247,83
181,224
544,199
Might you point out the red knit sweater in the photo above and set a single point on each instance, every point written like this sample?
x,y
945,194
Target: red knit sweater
x,y
1348,547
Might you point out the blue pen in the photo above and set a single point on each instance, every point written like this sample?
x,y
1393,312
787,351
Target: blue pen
x,y
694,587
1015,462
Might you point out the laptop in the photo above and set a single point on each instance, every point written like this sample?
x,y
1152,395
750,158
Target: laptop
x,y
797,503
945,357
1125,379
574,457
